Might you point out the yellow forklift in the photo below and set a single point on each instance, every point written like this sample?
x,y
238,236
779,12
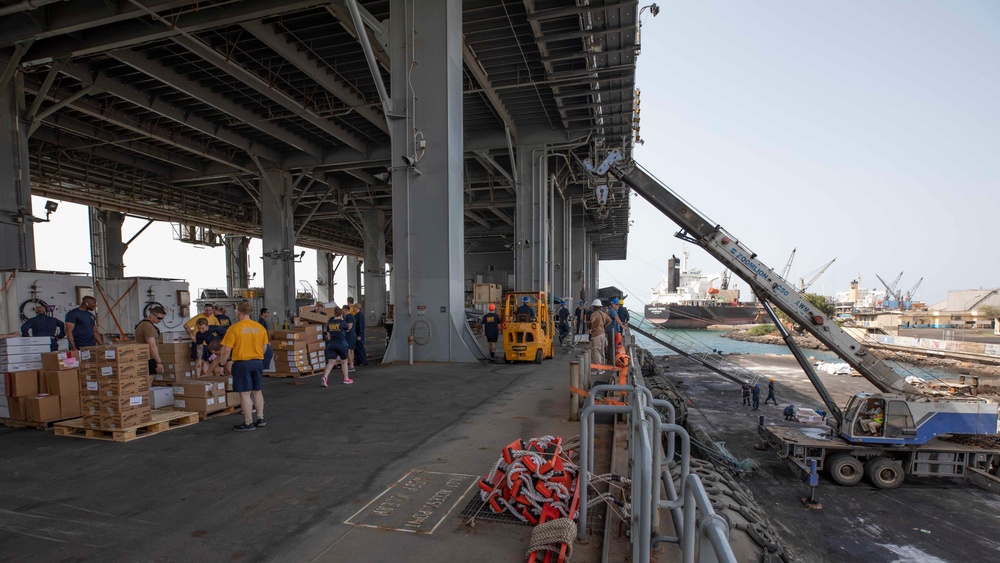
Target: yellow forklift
x,y
527,327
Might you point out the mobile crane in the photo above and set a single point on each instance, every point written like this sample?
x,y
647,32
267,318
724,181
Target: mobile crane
x,y
901,439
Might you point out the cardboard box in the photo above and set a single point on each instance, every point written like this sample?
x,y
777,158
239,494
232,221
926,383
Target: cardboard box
x,y
64,382
22,384
120,404
65,359
161,397
90,405
126,420
173,377
42,408
173,337
289,335
198,388
221,384
233,399
206,405
17,408
123,387
70,406
120,353
14,341
318,346
22,366
25,358
132,369
310,316
177,349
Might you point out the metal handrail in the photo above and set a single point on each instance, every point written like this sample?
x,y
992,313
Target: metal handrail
x,y
650,474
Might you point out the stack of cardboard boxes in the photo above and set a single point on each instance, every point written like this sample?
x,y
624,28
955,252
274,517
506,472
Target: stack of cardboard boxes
x,y
37,386
204,396
299,352
113,386
175,353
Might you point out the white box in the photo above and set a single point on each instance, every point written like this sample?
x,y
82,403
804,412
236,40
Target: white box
x,y
807,415
18,349
25,340
160,397
23,366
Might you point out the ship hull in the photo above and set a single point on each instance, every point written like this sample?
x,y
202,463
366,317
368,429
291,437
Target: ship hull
x,y
696,317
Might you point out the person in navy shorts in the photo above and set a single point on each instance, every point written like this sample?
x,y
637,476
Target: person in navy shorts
x,y
336,346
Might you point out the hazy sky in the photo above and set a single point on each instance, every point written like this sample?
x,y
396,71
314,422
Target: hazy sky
x,y
865,131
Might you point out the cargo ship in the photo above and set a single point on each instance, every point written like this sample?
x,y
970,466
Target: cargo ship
x,y
687,299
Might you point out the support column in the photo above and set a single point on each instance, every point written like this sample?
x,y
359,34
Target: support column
x,y
324,276
18,248
278,244
531,229
579,261
427,207
353,265
374,265
107,251
560,255
237,263
593,284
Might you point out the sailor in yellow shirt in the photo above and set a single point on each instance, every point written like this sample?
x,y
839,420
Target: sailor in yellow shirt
x,y
245,342
192,325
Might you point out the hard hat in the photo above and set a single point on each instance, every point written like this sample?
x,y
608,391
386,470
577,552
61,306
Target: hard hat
x,y
526,299
493,307
756,384
597,303
581,302
614,301
772,379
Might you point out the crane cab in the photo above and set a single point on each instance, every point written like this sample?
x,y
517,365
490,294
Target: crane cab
x,y
527,336
878,418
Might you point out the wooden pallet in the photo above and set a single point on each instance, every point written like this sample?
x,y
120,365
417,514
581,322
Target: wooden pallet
x,y
28,424
163,420
217,414
294,375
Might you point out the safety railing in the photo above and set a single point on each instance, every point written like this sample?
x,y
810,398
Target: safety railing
x,y
652,452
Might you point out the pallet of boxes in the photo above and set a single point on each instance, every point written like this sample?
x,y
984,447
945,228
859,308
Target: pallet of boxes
x,y
300,352
179,385
115,397
38,387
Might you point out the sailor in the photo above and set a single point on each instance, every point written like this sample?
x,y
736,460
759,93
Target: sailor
x,y
598,341
525,308
80,325
746,394
42,324
789,412
756,396
491,330
563,315
770,393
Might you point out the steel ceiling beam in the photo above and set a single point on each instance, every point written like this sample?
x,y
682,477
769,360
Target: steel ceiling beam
x,y
105,137
86,74
170,77
317,71
155,132
478,74
587,55
129,33
338,9
228,65
554,13
76,16
565,36
62,141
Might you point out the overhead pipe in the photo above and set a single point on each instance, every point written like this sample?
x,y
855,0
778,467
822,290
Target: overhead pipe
x,y
25,5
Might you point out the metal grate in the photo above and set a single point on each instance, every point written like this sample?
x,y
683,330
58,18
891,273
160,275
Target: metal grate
x,y
482,512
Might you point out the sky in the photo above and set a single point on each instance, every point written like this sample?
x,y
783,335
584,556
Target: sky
x,y
862,131
868,132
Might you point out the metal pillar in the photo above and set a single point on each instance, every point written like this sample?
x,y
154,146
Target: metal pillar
x,y
18,248
278,245
324,276
107,251
579,262
427,208
237,263
560,261
531,228
594,262
353,265
374,266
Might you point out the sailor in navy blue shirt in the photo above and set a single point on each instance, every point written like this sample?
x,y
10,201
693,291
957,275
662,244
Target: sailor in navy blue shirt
x,y
360,353
525,308
80,325
44,325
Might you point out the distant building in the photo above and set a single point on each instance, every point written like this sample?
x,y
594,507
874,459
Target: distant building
x,y
959,310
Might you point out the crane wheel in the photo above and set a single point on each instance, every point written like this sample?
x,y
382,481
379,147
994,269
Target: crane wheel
x,y
845,469
884,473
538,356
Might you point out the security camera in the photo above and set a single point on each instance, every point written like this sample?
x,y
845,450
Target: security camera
x,y
409,161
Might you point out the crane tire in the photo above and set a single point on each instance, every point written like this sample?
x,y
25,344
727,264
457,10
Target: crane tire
x,y
845,469
884,473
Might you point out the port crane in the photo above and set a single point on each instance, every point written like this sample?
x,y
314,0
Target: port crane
x,y
890,289
908,422
803,285
913,290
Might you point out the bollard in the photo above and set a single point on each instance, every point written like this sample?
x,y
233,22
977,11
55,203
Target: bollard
x,y
574,399
585,374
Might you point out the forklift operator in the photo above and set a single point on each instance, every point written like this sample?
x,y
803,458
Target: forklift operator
x,y
525,308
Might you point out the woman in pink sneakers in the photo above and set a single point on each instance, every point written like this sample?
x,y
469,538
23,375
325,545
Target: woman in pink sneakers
x,y
336,346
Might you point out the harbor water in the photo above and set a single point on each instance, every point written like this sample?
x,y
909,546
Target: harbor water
x,y
708,341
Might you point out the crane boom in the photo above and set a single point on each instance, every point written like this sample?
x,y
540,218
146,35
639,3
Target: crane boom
x,y
805,285
743,262
788,265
